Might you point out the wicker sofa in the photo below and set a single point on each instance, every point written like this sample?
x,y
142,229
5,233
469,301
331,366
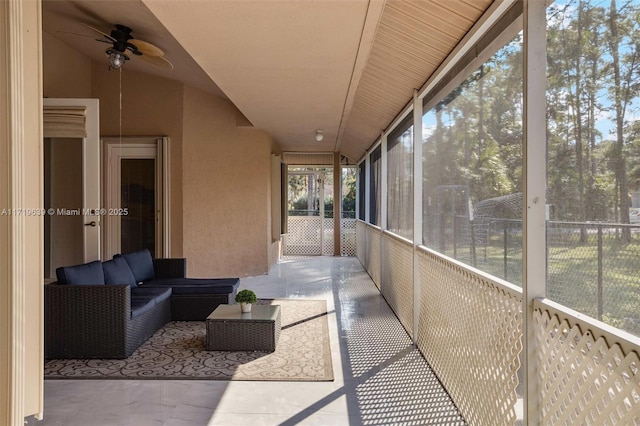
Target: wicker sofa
x,y
108,309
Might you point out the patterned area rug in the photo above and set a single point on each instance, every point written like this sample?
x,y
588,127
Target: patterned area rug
x,y
177,351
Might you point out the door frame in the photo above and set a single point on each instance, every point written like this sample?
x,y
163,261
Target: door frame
x,y
112,148
91,189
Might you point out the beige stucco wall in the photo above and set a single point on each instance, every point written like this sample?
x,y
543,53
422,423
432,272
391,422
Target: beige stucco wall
x,y
66,73
226,176
151,106
220,165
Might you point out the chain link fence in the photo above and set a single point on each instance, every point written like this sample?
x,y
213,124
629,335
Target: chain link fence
x,y
593,268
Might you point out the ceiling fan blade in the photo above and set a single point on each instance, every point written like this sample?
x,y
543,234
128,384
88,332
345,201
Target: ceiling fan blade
x,y
158,61
98,31
86,35
146,48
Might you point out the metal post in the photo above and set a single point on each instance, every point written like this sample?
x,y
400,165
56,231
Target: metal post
x,y
417,209
505,246
383,205
367,190
600,306
455,236
310,181
320,182
384,167
474,261
337,205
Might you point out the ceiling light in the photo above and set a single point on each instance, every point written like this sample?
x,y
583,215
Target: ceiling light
x,y
319,135
116,58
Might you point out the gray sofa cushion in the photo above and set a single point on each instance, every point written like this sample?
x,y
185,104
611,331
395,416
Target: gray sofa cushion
x,y
86,274
117,271
141,264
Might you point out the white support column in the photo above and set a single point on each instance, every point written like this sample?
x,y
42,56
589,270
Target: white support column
x,y
417,207
383,182
367,190
337,204
383,204
534,162
21,235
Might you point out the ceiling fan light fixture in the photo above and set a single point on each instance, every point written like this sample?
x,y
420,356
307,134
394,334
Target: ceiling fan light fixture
x,y
116,59
319,135
123,45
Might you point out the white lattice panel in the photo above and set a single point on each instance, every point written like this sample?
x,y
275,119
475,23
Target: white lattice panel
x,y
361,243
303,236
327,237
348,237
470,332
397,280
374,239
583,380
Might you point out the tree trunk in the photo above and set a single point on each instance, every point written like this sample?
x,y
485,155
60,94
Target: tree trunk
x,y
620,168
578,125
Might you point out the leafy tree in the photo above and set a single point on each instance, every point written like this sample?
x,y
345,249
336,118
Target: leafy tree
x,y
349,191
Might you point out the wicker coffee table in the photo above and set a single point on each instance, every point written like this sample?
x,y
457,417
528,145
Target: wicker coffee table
x,y
230,330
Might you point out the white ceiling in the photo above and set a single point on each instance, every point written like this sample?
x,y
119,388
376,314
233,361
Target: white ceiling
x,y
290,66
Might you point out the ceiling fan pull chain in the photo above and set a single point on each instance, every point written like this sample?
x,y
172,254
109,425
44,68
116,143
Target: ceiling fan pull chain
x,y
120,108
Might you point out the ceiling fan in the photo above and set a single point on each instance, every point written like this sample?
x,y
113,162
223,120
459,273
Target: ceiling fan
x,y
124,46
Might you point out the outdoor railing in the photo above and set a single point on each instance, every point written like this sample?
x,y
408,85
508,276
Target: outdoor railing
x,y
591,267
361,242
470,332
397,268
308,234
588,372
374,247
469,329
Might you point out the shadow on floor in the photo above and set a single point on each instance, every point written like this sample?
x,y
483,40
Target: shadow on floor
x,y
387,380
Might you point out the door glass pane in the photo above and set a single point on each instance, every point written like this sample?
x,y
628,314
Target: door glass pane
x,y
138,202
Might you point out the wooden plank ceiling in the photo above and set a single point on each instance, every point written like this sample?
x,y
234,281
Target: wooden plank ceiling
x,y
413,38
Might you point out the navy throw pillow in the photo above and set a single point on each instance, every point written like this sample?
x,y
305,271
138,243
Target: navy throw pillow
x,y
117,271
141,264
85,274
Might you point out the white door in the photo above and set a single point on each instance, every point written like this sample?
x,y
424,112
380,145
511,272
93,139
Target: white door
x,y
72,187
136,195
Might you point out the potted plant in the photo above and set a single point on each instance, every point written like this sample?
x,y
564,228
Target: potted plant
x,y
246,298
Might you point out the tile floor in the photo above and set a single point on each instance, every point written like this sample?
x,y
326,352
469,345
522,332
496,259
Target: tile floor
x,y
380,378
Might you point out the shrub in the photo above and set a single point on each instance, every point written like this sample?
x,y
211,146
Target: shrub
x,y
246,296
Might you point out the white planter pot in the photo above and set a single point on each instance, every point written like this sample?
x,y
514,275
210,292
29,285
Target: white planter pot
x,y
245,307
